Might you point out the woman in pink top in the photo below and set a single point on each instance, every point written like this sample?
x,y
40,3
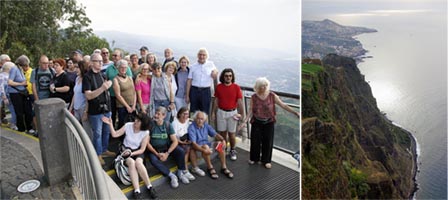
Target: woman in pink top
x,y
262,117
143,88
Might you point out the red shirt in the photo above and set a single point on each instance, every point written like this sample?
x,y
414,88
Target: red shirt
x,y
228,96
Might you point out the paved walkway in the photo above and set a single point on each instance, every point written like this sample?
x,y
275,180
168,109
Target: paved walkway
x,y
18,164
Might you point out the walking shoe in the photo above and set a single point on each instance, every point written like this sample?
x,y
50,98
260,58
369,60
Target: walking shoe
x,y
152,193
189,175
109,154
251,162
174,181
182,177
31,131
100,158
13,127
233,154
198,171
137,195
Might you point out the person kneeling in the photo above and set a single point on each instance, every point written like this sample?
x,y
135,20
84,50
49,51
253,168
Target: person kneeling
x,y
136,139
198,133
162,144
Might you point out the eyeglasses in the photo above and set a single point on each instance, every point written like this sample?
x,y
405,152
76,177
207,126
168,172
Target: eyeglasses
x,y
228,75
145,68
44,63
114,55
105,52
186,113
99,61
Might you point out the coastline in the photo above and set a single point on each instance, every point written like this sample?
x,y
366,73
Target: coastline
x,y
414,145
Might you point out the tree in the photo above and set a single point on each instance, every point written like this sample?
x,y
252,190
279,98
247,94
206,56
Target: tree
x,y
34,28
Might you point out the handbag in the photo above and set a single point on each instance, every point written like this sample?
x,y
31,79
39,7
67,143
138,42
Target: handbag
x,y
22,92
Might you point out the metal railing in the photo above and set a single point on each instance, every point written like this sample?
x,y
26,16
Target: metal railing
x,y
279,135
88,175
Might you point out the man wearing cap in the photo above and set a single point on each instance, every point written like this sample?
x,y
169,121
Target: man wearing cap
x,y
77,56
200,79
168,58
143,51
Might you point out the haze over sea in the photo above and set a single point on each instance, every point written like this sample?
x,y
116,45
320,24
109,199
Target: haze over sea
x,y
408,72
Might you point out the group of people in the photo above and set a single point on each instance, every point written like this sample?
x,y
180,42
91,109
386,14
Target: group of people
x,y
153,103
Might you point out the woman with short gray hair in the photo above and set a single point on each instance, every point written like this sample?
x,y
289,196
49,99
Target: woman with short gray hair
x,y
262,116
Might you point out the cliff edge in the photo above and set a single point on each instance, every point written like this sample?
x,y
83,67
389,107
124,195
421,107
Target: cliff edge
x,y
349,148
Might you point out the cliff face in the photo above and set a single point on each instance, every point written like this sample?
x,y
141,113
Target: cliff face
x,y
350,150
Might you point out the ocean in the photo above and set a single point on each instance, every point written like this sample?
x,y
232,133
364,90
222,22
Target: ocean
x,y
407,73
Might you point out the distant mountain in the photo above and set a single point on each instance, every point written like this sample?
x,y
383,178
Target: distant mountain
x,y
281,68
320,38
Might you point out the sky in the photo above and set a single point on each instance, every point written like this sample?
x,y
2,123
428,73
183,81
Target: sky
x,y
270,24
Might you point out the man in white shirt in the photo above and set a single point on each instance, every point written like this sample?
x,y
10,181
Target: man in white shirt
x,y
200,79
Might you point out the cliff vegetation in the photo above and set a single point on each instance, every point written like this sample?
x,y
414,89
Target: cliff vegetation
x,y
350,150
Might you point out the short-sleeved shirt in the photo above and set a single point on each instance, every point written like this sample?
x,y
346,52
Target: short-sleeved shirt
x,y
88,83
200,135
145,89
180,128
17,76
42,81
228,96
201,74
160,135
111,73
61,81
133,140
3,83
80,100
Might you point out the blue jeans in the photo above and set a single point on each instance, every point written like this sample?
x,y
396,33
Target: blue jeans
x,y
178,155
13,113
101,132
163,103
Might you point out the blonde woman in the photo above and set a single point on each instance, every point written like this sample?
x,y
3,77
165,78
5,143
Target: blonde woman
x,y
262,116
143,88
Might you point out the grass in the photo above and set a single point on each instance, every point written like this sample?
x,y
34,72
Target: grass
x,y
309,71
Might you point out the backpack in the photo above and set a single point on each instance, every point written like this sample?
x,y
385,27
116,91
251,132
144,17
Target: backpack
x,y
122,170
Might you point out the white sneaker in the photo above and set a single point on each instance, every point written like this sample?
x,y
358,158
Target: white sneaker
x,y
182,177
31,132
198,171
174,181
189,175
233,154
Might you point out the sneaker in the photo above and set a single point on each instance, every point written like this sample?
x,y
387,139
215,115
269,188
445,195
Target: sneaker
x,y
198,171
189,175
233,154
137,195
31,131
174,181
251,162
13,127
152,193
268,165
182,177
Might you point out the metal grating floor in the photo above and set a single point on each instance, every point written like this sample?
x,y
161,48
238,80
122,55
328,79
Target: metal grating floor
x,y
250,182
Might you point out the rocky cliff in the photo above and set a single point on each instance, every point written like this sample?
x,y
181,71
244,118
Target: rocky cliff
x,y
349,148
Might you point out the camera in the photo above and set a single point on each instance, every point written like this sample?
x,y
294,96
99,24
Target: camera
x,y
104,108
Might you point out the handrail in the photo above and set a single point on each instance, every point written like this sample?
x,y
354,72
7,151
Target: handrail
x,y
281,94
90,175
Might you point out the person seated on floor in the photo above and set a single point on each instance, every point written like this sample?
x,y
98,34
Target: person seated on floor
x,y
162,144
136,138
180,125
198,133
